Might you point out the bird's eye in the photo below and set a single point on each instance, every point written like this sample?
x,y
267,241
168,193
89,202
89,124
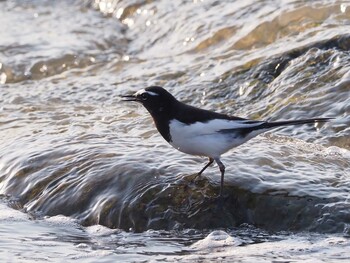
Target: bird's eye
x,y
144,96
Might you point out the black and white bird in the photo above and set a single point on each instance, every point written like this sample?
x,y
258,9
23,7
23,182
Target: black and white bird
x,y
202,132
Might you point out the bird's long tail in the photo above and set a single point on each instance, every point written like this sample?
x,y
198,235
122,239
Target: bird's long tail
x,y
268,125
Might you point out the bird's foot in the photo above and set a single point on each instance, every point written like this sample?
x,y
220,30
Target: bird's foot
x,y
191,178
197,176
194,177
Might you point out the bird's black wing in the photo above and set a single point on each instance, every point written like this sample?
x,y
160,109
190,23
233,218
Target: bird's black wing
x,y
189,114
264,125
245,127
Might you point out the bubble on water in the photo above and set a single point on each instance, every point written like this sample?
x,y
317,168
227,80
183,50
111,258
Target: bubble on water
x,y
82,245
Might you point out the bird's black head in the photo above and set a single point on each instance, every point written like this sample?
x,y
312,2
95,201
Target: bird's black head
x,y
155,99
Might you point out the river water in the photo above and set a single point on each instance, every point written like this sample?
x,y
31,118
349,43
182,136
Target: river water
x,y
85,177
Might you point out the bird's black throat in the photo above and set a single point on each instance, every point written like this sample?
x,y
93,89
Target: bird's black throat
x,y
162,114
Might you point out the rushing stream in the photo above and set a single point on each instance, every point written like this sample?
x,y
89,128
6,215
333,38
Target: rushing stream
x,y
86,177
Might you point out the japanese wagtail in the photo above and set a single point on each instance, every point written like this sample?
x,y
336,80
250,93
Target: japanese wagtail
x,y
202,132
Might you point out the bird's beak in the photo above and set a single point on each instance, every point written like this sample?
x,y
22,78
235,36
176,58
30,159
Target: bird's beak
x,y
129,98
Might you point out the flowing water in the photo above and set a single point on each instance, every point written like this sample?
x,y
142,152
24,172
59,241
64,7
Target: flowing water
x,y
85,177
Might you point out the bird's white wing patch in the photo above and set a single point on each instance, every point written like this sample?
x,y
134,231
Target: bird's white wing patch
x,y
202,128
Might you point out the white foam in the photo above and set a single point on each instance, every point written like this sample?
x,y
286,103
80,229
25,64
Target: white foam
x,y
10,214
216,239
98,230
61,220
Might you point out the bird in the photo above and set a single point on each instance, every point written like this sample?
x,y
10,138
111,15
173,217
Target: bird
x,y
202,132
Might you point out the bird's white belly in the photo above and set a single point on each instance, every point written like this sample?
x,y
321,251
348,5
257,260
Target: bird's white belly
x,y
203,138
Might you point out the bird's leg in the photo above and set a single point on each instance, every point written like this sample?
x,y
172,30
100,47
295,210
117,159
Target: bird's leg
x,y
211,160
222,170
